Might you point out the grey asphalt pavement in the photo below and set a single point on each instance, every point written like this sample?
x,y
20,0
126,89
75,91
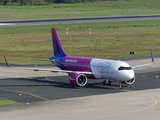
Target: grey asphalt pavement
x,y
46,95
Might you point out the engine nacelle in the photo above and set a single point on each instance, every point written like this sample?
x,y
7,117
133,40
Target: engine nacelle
x,y
129,82
78,79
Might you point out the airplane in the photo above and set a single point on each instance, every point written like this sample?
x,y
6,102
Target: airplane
x,y
80,69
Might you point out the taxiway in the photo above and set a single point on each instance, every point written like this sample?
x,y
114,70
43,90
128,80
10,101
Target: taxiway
x,y
46,95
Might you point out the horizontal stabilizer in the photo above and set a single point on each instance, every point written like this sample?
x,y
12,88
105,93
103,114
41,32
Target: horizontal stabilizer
x,y
40,59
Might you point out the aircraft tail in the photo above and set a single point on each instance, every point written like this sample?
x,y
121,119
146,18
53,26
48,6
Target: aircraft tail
x,y
57,47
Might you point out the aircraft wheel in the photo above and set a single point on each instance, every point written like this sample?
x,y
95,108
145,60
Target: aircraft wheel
x,y
107,82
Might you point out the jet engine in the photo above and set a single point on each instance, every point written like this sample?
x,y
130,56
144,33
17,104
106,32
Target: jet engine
x,y
129,82
78,79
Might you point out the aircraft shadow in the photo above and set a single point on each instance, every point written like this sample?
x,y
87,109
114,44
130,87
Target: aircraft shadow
x,y
55,81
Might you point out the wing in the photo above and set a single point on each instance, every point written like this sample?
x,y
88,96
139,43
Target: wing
x,y
152,61
51,70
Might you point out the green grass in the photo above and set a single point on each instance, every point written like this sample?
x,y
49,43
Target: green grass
x,y
104,8
6,102
108,40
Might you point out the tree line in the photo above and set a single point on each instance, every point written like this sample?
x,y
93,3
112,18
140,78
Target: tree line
x,y
44,2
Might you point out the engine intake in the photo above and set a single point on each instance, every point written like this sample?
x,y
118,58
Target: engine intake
x,y
78,79
129,82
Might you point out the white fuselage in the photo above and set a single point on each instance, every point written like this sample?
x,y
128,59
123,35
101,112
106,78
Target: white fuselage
x,y
111,69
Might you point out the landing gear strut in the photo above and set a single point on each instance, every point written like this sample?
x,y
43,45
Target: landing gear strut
x,y
107,82
120,85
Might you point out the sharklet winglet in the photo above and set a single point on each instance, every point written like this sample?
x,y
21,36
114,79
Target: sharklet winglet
x,y
6,61
152,56
152,61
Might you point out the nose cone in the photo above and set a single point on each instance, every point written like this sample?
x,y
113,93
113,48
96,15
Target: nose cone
x,y
126,75
129,75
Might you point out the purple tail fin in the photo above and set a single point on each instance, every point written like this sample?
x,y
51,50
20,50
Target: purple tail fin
x,y
57,47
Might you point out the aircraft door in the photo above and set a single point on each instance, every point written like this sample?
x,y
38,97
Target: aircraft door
x,y
111,69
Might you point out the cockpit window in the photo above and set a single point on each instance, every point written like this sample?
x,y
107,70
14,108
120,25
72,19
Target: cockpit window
x,y
124,68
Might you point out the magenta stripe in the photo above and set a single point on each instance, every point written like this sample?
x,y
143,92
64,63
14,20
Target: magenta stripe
x,y
77,63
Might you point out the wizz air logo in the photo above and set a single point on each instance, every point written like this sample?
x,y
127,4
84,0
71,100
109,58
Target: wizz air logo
x,y
71,60
104,67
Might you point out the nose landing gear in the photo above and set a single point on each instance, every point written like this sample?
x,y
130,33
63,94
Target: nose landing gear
x,y
120,85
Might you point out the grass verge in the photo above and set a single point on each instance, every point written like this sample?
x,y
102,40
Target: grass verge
x,y
108,40
103,8
6,102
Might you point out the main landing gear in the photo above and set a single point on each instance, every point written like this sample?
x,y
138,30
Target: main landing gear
x,y
108,82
